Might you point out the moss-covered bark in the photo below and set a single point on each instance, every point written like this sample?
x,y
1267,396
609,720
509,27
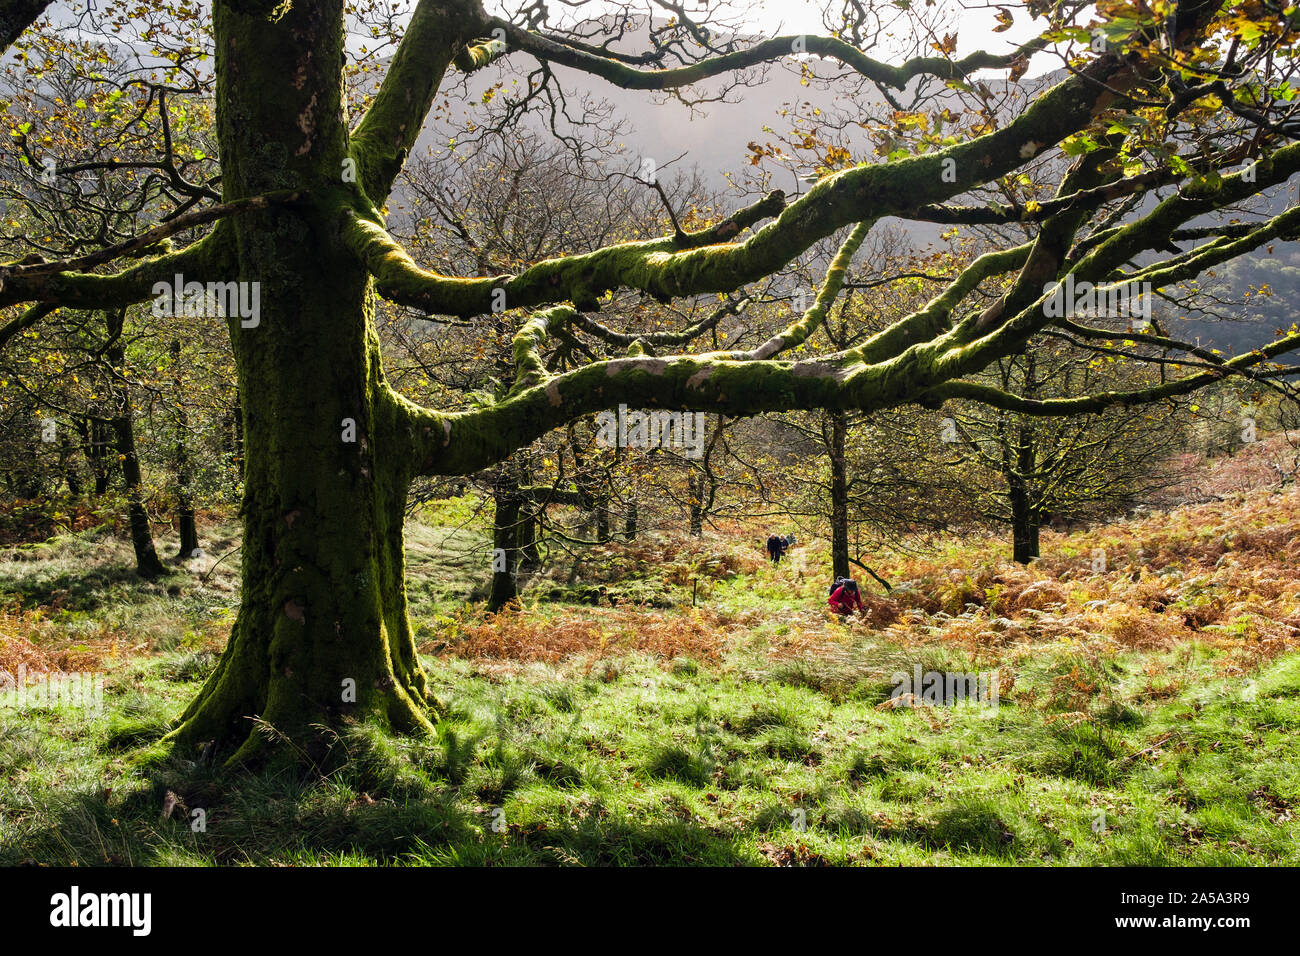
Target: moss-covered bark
x,y
668,268
591,60
322,634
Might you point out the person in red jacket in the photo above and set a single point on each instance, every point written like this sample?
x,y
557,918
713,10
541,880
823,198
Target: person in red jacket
x,y
845,598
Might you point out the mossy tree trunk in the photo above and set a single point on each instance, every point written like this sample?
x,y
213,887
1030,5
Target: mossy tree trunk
x,y
695,487
322,635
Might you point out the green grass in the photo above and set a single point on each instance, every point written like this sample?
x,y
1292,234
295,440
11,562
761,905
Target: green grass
x,y
654,767
1166,756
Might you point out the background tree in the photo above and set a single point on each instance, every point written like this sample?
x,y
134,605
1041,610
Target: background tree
x,y
1031,470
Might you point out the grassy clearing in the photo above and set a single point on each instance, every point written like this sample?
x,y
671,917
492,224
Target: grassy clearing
x,y
1149,708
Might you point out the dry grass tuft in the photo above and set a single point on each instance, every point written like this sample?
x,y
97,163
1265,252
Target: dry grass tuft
x,y
30,639
585,634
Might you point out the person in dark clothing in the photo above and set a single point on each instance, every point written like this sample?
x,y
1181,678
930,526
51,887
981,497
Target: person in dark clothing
x,y
775,547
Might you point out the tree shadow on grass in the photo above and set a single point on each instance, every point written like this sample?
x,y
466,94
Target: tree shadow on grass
x,y
596,841
392,801
76,589
84,829
967,827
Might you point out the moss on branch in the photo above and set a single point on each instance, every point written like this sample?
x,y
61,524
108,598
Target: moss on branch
x,y
208,259
436,34
1092,404
628,77
528,342
666,269
463,442
478,55
811,320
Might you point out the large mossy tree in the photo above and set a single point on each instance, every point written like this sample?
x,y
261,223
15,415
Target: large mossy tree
x,y
322,633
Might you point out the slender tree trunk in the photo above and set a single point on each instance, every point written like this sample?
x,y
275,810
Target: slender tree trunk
x,y
1022,545
839,496
629,524
147,562
696,488
187,527
96,439
67,467
506,528
1024,514
529,557
703,484
123,423
31,483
